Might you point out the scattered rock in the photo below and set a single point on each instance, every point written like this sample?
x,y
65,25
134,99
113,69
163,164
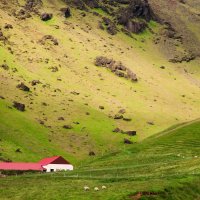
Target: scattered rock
x,y
180,59
75,93
150,123
66,11
5,66
18,150
101,107
44,104
54,69
91,153
8,26
35,82
127,119
46,16
117,130
122,111
118,116
67,127
61,118
23,87
131,133
19,106
127,141
50,38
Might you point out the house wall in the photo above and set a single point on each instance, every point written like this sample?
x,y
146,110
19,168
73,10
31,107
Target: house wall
x,y
58,167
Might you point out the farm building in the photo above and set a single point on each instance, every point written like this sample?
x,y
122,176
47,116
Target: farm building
x,y
56,163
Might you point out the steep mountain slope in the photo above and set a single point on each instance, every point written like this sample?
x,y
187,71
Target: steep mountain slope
x,y
73,106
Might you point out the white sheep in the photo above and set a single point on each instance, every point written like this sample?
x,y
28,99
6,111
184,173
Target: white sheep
x,y
96,189
103,187
86,188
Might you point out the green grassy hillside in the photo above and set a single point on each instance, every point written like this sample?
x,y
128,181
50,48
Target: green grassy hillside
x,y
165,166
160,98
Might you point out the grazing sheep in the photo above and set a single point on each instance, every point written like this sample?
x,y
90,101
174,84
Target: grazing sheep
x,y
103,187
86,188
96,189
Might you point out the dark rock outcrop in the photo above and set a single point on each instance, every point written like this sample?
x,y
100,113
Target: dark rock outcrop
x,y
135,15
110,26
116,67
35,82
67,127
23,87
131,133
46,16
127,141
66,11
19,106
91,153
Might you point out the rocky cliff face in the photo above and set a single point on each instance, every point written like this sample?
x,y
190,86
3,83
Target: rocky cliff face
x,y
134,16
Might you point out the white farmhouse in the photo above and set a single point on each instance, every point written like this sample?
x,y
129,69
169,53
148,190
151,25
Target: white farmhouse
x,y
56,163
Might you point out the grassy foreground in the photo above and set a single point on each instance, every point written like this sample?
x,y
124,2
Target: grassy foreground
x,y
165,166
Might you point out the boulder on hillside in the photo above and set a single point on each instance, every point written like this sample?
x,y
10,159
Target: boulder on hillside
x,y
118,116
19,106
67,127
8,26
23,87
46,16
116,67
131,133
91,153
4,66
117,130
35,82
66,11
127,141
61,118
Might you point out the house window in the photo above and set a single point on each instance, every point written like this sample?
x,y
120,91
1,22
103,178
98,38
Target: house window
x,y
51,170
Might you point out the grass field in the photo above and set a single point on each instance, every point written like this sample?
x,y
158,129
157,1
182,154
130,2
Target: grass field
x,y
167,165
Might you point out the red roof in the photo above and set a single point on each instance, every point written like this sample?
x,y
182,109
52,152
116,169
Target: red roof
x,y
53,160
21,166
